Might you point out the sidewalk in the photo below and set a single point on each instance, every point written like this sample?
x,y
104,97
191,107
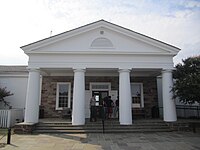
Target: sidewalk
x,y
128,141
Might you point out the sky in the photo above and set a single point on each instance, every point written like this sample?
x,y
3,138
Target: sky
x,y
176,22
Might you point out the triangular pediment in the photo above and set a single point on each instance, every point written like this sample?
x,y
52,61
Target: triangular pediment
x,y
101,37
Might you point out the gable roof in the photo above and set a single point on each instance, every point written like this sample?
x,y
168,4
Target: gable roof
x,y
97,24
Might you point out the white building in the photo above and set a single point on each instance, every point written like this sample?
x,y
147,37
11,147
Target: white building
x,y
98,59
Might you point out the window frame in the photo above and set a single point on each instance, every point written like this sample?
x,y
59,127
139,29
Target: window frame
x,y
57,95
141,96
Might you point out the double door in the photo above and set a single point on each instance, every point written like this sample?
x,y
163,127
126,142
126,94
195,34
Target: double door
x,y
99,96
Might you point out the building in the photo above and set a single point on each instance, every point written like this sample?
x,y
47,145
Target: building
x,y
99,59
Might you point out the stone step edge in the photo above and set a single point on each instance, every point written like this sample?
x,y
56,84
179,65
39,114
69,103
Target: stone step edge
x,y
99,128
100,131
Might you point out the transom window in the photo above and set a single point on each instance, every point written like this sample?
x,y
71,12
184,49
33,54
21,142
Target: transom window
x,y
63,95
100,86
137,95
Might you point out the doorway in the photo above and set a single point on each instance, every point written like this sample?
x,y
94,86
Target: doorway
x,y
99,96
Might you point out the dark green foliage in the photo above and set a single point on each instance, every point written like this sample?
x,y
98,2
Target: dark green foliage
x,y
4,93
187,81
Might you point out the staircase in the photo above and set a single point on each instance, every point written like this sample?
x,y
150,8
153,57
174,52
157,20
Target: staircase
x,y
111,126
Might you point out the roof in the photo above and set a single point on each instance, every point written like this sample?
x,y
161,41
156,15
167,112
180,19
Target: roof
x,y
98,23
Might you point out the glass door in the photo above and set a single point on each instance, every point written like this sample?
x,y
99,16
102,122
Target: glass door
x,y
99,96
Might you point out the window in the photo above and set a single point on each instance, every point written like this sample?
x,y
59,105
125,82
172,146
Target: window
x,y
63,95
101,42
137,95
100,86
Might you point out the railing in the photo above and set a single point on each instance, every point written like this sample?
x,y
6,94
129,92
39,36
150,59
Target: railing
x,y
8,117
186,111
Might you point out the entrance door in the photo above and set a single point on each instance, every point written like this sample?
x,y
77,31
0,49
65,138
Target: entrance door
x,y
99,96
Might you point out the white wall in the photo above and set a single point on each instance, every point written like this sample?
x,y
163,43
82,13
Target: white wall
x,y
16,85
88,95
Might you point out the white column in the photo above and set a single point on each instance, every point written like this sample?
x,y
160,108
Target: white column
x,y
169,108
78,112
32,97
125,100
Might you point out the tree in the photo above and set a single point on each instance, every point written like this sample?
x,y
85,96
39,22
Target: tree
x,y
187,81
4,93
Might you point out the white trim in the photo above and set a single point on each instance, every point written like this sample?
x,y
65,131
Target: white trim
x,y
40,96
142,93
14,75
101,52
57,94
96,25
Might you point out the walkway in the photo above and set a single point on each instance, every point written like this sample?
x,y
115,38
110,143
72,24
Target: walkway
x,y
129,141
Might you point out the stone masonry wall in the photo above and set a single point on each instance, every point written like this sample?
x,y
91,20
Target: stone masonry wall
x,y
48,98
149,91
49,85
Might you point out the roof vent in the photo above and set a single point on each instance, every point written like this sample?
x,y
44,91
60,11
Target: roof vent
x,y
101,43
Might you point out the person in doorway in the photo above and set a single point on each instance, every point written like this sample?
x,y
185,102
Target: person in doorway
x,y
109,104
117,107
93,116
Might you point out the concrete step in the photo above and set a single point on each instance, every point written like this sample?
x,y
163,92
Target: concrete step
x,y
101,131
99,125
100,128
111,126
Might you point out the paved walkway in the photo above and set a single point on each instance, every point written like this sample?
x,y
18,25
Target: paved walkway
x,y
129,141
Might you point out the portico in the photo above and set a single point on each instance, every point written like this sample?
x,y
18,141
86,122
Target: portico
x,y
101,52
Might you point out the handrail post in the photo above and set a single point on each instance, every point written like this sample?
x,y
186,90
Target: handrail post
x,y
9,136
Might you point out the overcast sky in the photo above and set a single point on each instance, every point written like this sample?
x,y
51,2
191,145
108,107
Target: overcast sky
x,y
175,22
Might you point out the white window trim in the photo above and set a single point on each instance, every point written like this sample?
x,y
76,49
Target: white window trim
x,y
57,95
142,93
100,83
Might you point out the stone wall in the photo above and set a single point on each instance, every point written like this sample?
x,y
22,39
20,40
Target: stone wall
x,y
49,84
48,97
150,93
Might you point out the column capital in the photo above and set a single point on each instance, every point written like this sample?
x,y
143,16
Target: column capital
x,y
124,70
79,69
167,71
33,69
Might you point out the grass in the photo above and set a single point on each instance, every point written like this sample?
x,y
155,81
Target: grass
x,y
3,131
